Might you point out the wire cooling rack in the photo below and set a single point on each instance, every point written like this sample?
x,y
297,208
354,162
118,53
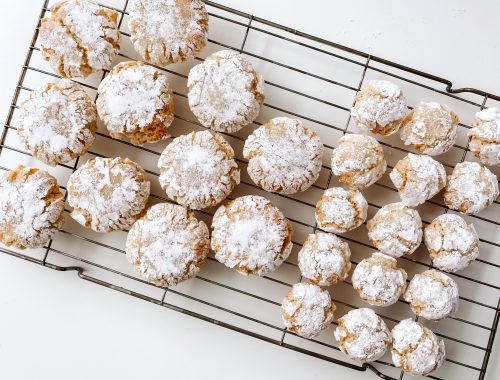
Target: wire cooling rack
x,y
314,80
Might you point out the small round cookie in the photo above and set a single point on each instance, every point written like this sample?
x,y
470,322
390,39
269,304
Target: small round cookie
x,y
225,93
431,128
362,335
418,178
380,108
168,244
108,194
57,122
135,101
416,349
339,210
452,243
470,188
307,310
358,161
395,230
283,156
251,235
198,170
31,207
378,280
432,295
485,136
79,37
324,259
168,31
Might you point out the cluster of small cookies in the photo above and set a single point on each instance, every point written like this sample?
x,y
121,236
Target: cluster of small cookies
x,y
167,244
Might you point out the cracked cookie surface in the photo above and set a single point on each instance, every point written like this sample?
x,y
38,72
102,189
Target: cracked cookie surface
x,y
108,194
225,93
57,122
251,235
198,170
452,243
416,349
306,310
283,156
168,244
31,207
358,161
485,136
380,108
168,31
324,259
136,102
79,37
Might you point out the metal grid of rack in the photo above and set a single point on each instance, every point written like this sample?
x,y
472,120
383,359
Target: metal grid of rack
x,y
314,80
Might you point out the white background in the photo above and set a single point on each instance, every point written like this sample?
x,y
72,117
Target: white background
x,y
54,326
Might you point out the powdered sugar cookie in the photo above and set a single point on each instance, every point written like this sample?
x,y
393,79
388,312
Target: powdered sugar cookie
x,y
79,37
307,310
251,235
432,295
380,108
324,259
198,170
358,161
135,101
57,122
378,280
418,178
168,244
168,31
395,230
452,243
340,210
225,92
431,128
283,156
485,136
31,207
108,194
416,349
470,188
362,335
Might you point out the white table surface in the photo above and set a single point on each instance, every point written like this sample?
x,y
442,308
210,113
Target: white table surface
x,y
54,326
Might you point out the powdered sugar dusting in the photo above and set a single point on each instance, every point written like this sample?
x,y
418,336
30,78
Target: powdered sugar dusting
x,y
168,244
362,335
395,230
251,235
324,259
57,122
225,92
31,207
108,194
307,310
452,244
432,295
132,98
284,156
418,178
416,349
358,161
378,280
79,37
380,108
198,170
470,188
168,31
485,136
340,210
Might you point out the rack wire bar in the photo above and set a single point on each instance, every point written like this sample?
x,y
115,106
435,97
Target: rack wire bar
x,y
304,88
